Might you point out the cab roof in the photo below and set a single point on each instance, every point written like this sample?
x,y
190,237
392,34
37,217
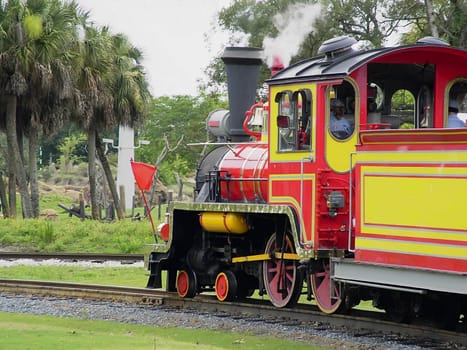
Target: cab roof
x,y
324,67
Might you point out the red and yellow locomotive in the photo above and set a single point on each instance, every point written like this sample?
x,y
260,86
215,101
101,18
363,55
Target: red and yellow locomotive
x,y
348,185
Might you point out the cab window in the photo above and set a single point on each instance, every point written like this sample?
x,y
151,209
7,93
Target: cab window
x,y
457,105
341,117
294,120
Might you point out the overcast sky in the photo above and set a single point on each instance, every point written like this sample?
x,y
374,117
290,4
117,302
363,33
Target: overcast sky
x,y
171,35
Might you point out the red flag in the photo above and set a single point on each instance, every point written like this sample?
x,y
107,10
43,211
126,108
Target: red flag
x,y
144,173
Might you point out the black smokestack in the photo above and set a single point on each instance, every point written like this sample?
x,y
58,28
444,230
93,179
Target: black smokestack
x,y
242,67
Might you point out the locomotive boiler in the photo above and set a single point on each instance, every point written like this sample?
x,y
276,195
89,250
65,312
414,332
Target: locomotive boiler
x,y
346,185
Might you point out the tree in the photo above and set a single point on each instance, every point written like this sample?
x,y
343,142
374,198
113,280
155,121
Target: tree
x,y
14,67
35,40
129,88
170,118
50,79
371,22
93,96
439,18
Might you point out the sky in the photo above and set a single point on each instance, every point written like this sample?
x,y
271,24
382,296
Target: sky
x,y
170,33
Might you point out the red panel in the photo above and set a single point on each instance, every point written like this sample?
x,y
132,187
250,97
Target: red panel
x,y
406,260
389,139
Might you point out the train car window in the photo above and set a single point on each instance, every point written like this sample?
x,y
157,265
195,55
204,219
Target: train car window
x,y
285,121
294,120
302,99
407,93
402,111
457,105
341,120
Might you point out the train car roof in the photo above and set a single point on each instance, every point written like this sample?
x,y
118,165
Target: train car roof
x,y
323,67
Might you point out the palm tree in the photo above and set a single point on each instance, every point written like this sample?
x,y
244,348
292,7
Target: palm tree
x,y
35,47
14,64
50,84
93,95
129,89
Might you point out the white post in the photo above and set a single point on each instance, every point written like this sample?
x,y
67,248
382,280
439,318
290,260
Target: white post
x,y
126,152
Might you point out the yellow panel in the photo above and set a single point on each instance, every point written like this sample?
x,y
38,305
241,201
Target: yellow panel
x,y
410,197
338,151
387,245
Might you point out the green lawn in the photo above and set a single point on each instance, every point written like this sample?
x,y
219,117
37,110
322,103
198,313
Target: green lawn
x,y
116,276
23,332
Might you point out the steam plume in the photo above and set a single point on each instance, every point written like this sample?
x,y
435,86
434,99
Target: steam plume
x,y
293,26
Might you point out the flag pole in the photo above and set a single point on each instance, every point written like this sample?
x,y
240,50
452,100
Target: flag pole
x,y
144,176
149,211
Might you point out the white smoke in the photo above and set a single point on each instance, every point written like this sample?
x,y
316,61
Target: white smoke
x,y
293,26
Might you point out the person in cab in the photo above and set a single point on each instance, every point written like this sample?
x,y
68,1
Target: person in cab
x,y
453,119
339,126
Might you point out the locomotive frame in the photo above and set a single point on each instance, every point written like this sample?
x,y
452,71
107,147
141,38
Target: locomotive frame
x,y
374,214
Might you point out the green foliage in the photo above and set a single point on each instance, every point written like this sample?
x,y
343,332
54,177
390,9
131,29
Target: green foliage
x,y
372,22
170,119
67,151
70,234
46,232
178,165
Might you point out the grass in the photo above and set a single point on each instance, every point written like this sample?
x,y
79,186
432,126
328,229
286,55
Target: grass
x,y
114,276
73,235
22,332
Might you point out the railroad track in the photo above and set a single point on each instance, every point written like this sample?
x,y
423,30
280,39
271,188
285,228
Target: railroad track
x,y
360,322
72,256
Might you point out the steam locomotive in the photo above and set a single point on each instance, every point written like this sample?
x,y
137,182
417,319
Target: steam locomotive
x,y
285,204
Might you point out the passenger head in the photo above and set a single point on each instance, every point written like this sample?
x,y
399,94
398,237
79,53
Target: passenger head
x,y
337,106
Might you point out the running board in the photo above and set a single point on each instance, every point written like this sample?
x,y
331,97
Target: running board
x,y
264,257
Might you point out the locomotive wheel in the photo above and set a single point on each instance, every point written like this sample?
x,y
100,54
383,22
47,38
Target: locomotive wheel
x,y
186,284
226,286
282,280
321,286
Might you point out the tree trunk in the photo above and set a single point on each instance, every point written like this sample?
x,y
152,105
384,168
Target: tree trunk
x,y
3,198
431,18
92,173
33,183
16,166
109,177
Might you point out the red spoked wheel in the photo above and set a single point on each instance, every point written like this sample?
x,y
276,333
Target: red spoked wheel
x,y
321,286
186,283
281,277
226,286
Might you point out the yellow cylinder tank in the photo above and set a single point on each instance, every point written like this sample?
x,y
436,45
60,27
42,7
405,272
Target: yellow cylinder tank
x,y
223,222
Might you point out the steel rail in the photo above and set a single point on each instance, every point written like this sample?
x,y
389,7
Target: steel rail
x,y
72,256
